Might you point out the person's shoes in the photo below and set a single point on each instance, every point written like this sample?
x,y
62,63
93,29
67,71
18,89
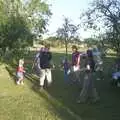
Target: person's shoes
x,y
22,83
18,83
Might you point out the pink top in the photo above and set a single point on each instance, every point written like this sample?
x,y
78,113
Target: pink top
x,y
20,69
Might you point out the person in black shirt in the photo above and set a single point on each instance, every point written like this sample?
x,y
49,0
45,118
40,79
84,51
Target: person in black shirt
x,y
43,59
88,89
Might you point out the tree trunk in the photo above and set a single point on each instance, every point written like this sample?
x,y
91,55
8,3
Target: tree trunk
x,y
66,39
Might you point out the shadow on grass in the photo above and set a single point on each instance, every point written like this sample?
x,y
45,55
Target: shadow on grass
x,y
11,73
58,108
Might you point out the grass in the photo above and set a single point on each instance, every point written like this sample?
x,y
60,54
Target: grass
x,y
57,102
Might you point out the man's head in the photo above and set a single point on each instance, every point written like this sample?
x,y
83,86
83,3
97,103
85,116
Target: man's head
x,y
74,48
46,48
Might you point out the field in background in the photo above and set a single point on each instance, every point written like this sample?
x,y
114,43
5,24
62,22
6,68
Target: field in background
x,y
57,48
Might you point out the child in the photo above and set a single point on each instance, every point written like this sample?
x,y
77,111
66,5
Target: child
x,y
20,72
66,66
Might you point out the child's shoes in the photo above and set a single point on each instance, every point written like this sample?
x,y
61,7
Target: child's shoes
x,y
22,83
18,82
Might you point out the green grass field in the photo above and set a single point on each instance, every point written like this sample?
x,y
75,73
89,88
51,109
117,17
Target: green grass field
x,y
58,102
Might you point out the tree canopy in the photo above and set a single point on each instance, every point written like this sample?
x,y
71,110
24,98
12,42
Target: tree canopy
x,y
67,32
22,22
104,15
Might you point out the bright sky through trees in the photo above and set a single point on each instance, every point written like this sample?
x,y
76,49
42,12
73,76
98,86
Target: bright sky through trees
x,y
68,8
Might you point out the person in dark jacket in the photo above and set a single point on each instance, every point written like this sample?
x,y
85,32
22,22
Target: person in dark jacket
x,y
88,88
43,59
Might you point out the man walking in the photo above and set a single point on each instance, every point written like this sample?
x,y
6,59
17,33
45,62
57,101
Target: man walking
x,y
43,58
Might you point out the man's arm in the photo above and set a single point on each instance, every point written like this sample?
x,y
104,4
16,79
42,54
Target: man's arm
x,y
35,60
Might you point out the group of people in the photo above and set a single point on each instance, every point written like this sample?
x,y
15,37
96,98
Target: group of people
x,y
43,61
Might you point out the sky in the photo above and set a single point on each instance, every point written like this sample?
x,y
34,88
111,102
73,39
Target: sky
x,y
67,8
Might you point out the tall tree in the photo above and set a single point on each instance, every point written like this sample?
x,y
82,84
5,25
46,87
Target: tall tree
x,y
21,21
38,14
105,15
67,32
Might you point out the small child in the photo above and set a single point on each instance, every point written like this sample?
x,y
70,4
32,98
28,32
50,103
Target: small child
x,y
20,72
66,66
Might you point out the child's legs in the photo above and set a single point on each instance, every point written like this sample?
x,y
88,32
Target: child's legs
x,y
42,77
20,80
20,76
66,75
49,76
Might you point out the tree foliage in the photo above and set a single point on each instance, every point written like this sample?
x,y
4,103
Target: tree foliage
x,y
104,15
21,22
90,41
67,32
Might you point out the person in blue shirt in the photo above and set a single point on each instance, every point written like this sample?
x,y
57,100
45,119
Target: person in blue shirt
x,y
66,67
